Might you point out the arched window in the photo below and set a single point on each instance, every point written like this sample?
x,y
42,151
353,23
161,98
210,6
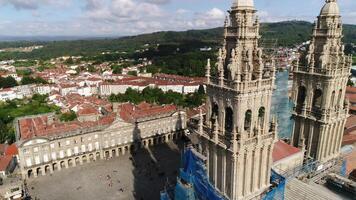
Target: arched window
x,y
261,116
332,99
229,119
214,112
248,118
339,98
317,98
301,96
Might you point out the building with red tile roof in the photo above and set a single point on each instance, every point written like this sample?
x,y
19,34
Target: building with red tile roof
x,y
46,144
11,150
5,165
132,113
286,157
351,96
350,131
184,86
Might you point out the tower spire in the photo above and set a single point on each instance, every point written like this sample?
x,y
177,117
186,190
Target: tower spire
x,y
316,100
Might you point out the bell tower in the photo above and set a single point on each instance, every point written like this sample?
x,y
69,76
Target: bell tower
x,y
237,136
320,79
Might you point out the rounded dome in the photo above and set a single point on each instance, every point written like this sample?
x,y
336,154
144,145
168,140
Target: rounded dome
x,y
330,8
243,3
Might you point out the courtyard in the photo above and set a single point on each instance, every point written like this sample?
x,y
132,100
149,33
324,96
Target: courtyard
x,y
140,175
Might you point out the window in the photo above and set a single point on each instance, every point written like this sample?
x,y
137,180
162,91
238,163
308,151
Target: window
x,y
28,162
69,152
45,158
215,112
261,116
96,136
61,154
52,146
301,96
248,118
317,99
54,155
35,149
37,160
76,150
67,142
229,118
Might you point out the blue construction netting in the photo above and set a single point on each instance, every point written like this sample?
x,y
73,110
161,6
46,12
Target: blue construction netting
x,y
193,183
194,173
343,168
278,186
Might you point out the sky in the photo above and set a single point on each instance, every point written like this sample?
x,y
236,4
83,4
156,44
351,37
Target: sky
x,y
131,17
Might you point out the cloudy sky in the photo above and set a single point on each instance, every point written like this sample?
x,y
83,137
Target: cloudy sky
x,y
129,17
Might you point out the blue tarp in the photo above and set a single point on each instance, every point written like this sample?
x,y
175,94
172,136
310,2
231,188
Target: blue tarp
x,y
193,183
194,173
278,186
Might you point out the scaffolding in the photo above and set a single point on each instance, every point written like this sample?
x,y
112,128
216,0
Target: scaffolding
x,y
193,183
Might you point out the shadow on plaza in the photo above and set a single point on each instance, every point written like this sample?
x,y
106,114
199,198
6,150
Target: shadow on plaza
x,y
155,167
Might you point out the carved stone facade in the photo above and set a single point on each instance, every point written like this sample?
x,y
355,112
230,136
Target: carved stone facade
x,y
319,87
236,136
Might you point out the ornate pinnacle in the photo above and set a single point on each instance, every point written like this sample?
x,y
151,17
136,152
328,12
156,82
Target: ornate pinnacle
x,y
226,22
207,73
200,121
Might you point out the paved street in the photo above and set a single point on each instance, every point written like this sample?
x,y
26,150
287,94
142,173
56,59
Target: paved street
x,y
141,176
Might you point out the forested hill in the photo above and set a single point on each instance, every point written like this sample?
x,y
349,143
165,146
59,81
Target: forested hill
x,y
286,33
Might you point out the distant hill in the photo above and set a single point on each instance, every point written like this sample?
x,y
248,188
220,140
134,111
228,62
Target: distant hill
x,y
286,33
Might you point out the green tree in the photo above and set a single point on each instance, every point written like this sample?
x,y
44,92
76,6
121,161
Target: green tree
x,y
69,116
117,69
27,80
201,89
7,82
69,61
132,73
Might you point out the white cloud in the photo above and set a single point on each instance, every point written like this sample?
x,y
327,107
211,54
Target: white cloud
x,y
33,4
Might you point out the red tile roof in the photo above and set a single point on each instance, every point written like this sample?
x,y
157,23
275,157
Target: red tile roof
x,y
11,150
40,126
87,109
4,162
350,125
349,138
131,113
283,150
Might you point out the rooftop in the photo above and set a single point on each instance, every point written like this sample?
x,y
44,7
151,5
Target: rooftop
x,y
4,162
131,113
282,150
43,126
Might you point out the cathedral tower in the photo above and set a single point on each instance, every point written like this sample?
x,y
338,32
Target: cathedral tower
x,y
319,86
237,136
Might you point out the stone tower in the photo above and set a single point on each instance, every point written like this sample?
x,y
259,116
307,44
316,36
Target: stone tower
x,y
236,136
320,80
